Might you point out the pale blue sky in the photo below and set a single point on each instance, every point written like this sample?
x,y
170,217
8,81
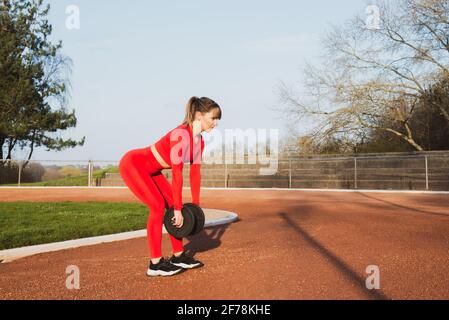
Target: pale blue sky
x,y
136,63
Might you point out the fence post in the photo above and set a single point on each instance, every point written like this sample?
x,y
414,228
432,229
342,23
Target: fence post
x,y
89,173
20,173
290,174
226,174
427,173
355,173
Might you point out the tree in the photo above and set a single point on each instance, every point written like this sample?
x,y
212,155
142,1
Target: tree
x,y
373,79
426,121
69,171
33,173
429,118
33,81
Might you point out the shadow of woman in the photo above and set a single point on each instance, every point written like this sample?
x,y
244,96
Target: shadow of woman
x,y
208,239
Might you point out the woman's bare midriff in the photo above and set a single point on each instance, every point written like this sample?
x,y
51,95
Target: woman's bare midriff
x,y
159,158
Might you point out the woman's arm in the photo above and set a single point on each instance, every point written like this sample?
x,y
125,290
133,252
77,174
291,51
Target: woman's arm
x,y
179,141
195,174
195,182
177,182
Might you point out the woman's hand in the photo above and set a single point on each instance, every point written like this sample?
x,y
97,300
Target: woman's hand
x,y
178,219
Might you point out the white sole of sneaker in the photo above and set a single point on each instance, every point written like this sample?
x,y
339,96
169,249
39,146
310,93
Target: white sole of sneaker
x,y
155,273
186,266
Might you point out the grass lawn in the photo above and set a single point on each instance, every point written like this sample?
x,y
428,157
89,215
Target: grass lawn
x,y
30,223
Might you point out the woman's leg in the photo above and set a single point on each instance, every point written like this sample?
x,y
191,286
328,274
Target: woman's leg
x,y
133,171
166,190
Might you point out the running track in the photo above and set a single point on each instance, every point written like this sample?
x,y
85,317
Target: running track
x,y
287,245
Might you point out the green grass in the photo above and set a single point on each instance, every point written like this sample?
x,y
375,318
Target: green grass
x,y
77,181
30,223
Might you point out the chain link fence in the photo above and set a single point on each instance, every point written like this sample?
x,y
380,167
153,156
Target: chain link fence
x,y
415,171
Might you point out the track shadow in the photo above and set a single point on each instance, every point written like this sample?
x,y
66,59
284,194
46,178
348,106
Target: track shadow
x,y
403,207
337,262
208,239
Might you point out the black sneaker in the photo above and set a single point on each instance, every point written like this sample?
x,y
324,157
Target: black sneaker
x,y
162,268
185,261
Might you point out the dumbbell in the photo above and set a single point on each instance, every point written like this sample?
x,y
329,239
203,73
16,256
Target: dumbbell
x,y
199,217
193,221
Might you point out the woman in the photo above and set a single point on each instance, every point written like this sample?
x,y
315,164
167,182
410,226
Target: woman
x,y
141,169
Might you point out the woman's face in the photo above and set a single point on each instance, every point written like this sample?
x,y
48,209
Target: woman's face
x,y
209,120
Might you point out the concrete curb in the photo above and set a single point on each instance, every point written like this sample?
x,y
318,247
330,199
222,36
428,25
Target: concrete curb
x,y
257,189
214,217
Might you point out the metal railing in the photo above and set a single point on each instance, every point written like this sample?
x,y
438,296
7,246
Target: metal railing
x,y
417,171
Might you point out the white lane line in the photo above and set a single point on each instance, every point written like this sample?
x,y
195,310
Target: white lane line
x,y
260,189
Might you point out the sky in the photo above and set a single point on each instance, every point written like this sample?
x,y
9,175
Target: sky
x,y
136,64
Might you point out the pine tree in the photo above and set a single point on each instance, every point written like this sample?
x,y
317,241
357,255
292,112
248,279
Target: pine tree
x,y
34,81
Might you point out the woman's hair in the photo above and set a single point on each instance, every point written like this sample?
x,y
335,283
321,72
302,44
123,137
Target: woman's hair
x,y
203,105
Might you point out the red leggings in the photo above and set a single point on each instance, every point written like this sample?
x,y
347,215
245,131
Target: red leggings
x,y
142,174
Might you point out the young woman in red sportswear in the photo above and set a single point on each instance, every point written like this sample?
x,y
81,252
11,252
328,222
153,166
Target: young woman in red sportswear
x,y
141,169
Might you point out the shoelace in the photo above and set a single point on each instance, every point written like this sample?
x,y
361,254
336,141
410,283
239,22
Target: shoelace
x,y
186,257
163,261
182,256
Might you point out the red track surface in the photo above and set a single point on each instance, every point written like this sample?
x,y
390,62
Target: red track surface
x,y
287,245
